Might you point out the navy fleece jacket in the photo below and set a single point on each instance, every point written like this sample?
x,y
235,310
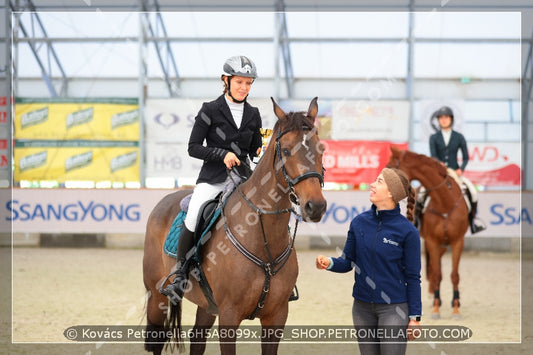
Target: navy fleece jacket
x,y
384,248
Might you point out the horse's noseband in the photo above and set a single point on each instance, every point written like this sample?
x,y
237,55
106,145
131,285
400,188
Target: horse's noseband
x,y
290,181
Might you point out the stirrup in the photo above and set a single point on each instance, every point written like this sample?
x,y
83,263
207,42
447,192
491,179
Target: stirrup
x,y
476,228
175,289
294,295
161,290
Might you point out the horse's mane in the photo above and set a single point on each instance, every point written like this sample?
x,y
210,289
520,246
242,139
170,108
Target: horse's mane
x,y
294,121
432,162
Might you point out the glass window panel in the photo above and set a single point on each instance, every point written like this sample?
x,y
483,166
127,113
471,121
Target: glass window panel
x,y
203,59
442,60
83,24
219,24
347,24
342,60
467,25
87,60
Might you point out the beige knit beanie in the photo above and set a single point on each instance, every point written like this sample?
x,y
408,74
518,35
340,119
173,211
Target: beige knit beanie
x,y
394,183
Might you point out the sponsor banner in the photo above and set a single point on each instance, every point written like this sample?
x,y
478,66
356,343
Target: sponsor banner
x,y
77,162
4,161
171,120
171,160
116,120
79,210
355,162
496,164
127,211
370,120
500,211
4,127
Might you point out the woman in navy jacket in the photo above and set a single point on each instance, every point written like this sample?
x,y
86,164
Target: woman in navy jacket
x,y
230,128
384,248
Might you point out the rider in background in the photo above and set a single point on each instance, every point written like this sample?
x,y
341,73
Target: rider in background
x,y
444,146
230,128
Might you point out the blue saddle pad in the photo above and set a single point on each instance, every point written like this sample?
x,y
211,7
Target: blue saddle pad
x,y
171,242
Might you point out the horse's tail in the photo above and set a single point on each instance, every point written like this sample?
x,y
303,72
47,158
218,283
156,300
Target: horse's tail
x,y
173,323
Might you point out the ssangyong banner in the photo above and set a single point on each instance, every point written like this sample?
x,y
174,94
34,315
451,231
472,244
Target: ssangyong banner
x,y
355,162
127,211
495,164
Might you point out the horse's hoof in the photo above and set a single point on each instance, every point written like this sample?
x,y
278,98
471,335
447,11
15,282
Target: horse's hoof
x,y
435,315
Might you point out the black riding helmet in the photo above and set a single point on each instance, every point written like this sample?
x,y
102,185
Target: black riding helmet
x,y
443,111
241,66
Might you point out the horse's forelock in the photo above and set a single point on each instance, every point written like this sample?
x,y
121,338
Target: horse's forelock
x,y
295,121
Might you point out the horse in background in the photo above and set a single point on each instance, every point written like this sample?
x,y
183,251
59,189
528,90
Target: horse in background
x,y
444,222
249,259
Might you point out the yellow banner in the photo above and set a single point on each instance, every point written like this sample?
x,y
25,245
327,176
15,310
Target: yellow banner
x,y
77,120
115,164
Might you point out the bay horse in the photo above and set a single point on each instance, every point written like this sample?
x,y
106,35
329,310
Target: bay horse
x,y
248,260
444,222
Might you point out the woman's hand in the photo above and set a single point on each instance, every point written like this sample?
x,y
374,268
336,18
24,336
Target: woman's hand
x,y
322,262
413,330
231,160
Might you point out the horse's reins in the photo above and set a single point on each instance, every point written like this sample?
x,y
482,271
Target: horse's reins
x,y
273,266
444,215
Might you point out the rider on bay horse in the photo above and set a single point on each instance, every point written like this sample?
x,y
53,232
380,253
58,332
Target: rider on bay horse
x,y
444,146
230,126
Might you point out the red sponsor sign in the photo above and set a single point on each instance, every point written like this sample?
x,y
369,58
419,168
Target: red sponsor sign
x,y
3,143
3,117
356,162
3,161
3,101
495,164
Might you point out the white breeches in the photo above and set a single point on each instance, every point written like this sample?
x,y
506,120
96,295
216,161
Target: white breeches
x,y
202,192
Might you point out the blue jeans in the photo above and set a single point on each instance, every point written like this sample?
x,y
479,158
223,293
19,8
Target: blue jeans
x,y
381,328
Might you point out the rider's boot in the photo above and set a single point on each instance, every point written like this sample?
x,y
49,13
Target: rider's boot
x,y
475,227
179,284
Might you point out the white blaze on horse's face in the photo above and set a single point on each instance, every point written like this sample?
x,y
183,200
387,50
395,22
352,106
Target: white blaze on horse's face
x,y
304,141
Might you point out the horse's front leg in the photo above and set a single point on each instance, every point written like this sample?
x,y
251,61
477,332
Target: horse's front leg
x,y
203,323
228,323
272,330
435,253
457,249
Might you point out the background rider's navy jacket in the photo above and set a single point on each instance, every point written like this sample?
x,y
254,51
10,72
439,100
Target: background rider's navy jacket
x,y
214,124
448,153
384,248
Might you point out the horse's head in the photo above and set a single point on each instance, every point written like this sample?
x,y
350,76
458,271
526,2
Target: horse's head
x,y
395,159
298,161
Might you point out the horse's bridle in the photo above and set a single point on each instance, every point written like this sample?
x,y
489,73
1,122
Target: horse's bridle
x,y
290,181
272,266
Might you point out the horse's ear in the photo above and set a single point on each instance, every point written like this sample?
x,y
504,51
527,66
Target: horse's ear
x,y
394,149
280,114
313,108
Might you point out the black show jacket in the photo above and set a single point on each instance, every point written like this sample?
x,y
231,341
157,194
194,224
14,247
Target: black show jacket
x,y
214,125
